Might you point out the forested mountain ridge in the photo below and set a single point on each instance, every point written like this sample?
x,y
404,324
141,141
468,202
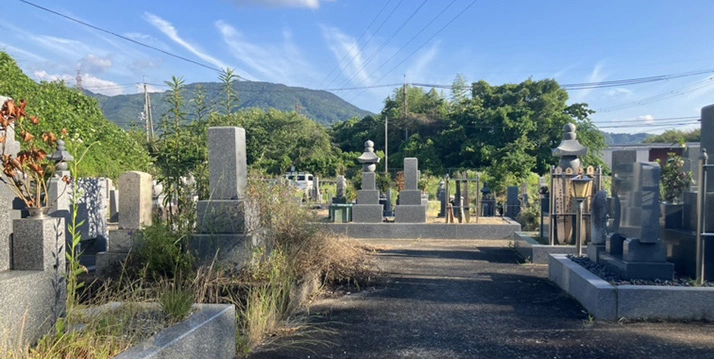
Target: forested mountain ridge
x,y
323,107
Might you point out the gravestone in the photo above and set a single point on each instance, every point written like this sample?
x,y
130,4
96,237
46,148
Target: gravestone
x,y
368,209
227,225
340,196
598,222
93,205
513,204
135,212
443,199
707,138
643,254
5,234
411,208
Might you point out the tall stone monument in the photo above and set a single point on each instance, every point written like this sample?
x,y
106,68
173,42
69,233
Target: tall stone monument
x,y
410,208
368,209
569,151
227,225
707,139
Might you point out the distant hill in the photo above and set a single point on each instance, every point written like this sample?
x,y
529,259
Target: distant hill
x,y
323,107
624,138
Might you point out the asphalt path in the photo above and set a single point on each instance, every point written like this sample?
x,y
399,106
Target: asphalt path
x,y
472,299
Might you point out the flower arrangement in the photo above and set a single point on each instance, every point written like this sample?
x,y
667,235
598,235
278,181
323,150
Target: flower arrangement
x,y
674,179
28,172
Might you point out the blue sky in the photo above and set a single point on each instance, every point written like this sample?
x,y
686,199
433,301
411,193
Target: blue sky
x,y
337,44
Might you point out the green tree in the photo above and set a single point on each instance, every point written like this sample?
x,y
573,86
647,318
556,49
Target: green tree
x,y
675,137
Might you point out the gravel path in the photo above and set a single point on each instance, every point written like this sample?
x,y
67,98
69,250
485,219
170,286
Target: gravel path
x,y
471,299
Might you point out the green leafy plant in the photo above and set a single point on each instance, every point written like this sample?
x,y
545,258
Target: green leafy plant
x,y
674,179
176,302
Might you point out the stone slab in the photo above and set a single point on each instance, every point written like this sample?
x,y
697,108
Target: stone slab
x,y
38,244
230,249
411,173
367,213
665,303
529,249
682,249
410,197
30,302
208,333
425,230
597,296
638,270
367,197
227,163
593,251
123,240
221,216
369,181
5,234
406,213
634,250
614,243
135,206
109,264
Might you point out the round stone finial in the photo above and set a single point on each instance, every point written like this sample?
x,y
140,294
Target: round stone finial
x,y
569,132
369,146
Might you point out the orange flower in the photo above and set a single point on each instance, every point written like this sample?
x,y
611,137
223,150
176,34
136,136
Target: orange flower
x,y
35,120
64,132
66,179
49,138
39,154
37,168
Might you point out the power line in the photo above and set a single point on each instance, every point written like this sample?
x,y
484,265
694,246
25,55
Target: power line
x,y
354,44
423,44
384,44
371,36
125,38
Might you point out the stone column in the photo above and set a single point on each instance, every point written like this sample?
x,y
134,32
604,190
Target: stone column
x,y
707,140
227,223
368,209
410,208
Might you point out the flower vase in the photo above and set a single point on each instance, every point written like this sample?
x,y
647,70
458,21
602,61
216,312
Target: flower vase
x,y
38,212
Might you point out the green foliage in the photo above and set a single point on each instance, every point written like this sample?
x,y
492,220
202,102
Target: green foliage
x,y
676,137
61,107
673,179
161,252
176,302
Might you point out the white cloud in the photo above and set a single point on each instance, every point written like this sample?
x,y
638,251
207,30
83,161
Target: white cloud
x,y
617,91
421,66
89,82
310,4
95,64
169,30
645,118
595,76
282,62
18,53
345,47
148,39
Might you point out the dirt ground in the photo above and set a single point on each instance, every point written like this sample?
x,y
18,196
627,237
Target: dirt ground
x,y
473,299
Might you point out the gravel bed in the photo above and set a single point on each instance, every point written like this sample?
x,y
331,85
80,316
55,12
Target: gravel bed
x,y
614,278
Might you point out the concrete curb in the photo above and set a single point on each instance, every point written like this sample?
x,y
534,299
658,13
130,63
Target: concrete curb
x,y
639,302
424,230
537,253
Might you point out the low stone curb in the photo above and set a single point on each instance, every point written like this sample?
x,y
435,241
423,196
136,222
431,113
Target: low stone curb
x,y
637,302
425,230
537,253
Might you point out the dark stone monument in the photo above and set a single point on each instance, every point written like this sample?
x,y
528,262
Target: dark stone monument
x,y
513,204
643,255
443,199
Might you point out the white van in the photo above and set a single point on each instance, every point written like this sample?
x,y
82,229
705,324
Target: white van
x,y
302,180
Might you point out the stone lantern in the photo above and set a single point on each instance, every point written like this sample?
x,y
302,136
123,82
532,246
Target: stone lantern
x,y
570,150
368,159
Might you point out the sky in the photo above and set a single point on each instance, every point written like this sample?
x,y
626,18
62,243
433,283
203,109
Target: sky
x,y
362,50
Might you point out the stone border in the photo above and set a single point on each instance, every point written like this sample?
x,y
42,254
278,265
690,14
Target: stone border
x,y
425,230
206,334
639,302
537,253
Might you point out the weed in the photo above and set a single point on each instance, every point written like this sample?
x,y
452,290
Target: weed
x,y
176,302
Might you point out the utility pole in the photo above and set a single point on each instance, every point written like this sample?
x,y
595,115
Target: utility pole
x,y
386,145
406,110
147,113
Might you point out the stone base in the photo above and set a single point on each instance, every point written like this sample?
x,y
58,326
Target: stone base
x,y
367,197
593,251
227,249
635,251
613,244
367,213
38,244
110,264
123,240
410,197
224,216
410,214
30,302
638,270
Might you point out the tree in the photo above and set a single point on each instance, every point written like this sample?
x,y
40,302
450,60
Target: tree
x,y
675,137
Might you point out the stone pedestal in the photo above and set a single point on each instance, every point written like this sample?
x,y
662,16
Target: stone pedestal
x,y
38,244
368,209
5,234
593,251
411,209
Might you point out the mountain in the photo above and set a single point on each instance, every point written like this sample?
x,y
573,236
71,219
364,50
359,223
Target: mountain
x,y
624,138
323,107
